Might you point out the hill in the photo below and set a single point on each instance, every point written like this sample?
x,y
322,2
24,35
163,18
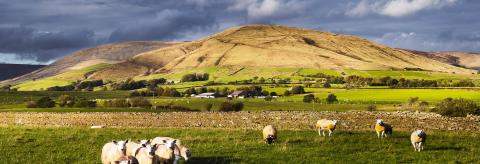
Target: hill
x,y
266,46
463,59
8,71
82,59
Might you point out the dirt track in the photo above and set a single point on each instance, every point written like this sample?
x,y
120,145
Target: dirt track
x,y
247,120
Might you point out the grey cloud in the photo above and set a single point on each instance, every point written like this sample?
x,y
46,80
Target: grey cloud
x,y
43,46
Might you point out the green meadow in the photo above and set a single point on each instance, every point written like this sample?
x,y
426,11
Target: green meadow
x,y
83,145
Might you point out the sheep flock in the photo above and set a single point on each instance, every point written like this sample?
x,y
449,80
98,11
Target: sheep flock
x,y
167,150
160,150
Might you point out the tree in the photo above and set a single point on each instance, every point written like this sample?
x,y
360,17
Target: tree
x,y
66,101
308,98
208,106
331,98
273,94
45,102
297,89
287,93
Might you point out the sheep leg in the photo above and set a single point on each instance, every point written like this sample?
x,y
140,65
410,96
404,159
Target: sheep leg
x,y
378,134
329,132
420,147
323,132
319,132
414,146
383,134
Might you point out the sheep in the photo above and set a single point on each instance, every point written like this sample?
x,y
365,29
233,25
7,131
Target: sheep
x,y
324,124
181,151
113,152
146,154
132,147
383,128
128,160
418,138
165,152
269,134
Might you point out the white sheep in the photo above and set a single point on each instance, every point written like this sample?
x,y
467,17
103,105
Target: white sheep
x,y
132,147
324,124
146,154
418,138
269,134
165,152
113,152
383,128
181,151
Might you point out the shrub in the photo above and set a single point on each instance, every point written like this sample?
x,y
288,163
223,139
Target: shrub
x,y
327,85
84,103
371,108
118,103
208,107
297,89
66,101
457,107
331,98
231,106
45,102
140,102
268,98
308,98
31,104
287,93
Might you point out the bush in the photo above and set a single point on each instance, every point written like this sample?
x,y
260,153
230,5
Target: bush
x,y
287,93
456,107
268,98
195,77
31,104
297,89
66,101
140,102
308,98
331,98
371,108
84,103
231,106
208,107
116,103
45,102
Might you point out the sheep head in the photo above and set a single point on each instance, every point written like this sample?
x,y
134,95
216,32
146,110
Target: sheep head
x,y
379,121
270,139
121,146
170,143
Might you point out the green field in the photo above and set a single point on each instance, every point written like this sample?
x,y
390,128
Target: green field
x,y
20,144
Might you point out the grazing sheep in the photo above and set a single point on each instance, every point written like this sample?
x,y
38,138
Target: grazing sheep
x,y
113,152
269,134
165,152
324,124
181,151
132,147
146,154
418,138
383,128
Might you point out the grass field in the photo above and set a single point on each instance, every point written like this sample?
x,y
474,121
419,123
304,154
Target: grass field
x,y
82,145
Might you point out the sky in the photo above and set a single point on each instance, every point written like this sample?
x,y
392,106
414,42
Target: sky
x,y
42,31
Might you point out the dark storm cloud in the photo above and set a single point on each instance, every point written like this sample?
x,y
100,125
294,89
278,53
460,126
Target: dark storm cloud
x,y
43,46
46,30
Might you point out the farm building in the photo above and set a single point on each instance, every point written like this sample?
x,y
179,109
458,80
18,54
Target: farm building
x,y
207,95
238,94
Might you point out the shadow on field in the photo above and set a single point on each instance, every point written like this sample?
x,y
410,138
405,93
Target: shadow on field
x,y
443,148
202,160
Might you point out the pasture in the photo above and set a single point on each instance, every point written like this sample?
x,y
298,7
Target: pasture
x,y
83,145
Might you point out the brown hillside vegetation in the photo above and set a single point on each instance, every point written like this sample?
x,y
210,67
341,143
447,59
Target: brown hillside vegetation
x,y
468,60
110,53
266,46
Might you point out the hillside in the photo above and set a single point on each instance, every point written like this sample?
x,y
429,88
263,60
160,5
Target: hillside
x,y
265,46
8,71
468,60
104,54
